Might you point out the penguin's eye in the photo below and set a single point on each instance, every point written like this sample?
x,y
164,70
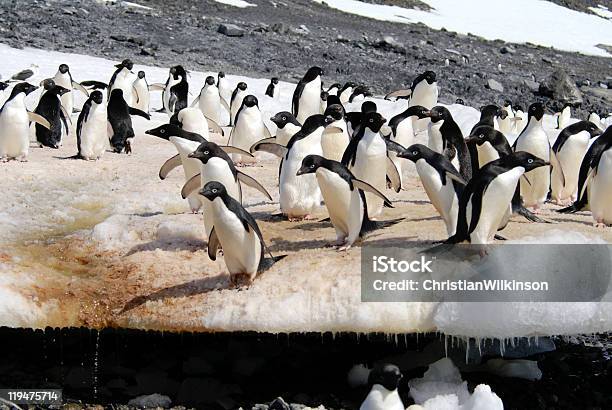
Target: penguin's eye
x,y
530,161
481,136
205,152
415,152
371,119
214,191
162,131
284,118
312,166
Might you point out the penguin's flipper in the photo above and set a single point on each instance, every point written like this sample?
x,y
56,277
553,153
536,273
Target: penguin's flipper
x,y
213,244
225,104
94,85
140,113
271,148
456,177
394,176
267,133
79,87
250,181
39,119
526,179
398,94
235,150
191,185
135,93
590,175
66,116
169,165
157,87
394,146
364,186
271,140
195,102
214,127
554,161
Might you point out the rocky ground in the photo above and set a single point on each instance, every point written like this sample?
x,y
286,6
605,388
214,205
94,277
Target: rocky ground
x,y
284,38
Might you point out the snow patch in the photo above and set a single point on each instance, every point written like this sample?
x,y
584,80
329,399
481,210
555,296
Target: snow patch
x,y
113,233
236,3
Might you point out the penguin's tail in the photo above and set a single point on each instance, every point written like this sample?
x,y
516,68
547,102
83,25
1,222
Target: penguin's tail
x,y
369,225
267,263
530,216
573,208
76,156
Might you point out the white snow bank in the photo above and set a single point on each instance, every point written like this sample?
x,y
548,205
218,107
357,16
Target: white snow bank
x,y
236,3
601,11
519,21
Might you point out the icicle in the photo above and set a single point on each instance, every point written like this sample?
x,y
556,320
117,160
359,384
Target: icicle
x,y
446,346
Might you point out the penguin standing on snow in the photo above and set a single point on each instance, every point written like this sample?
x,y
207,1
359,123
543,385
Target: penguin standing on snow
x,y
441,180
599,182
506,123
63,78
484,203
345,92
92,128
335,138
123,79
141,97
533,139
286,127
564,117
15,124
384,381
225,90
119,118
176,91
237,233
307,95
209,101
249,128
423,91
236,101
50,108
445,137
520,119
568,152
344,199
271,89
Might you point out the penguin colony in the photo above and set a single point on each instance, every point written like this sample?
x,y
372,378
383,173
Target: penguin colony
x,y
328,156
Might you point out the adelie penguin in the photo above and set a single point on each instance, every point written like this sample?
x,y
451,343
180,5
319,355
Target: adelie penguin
x,y
335,138
598,184
441,180
50,108
520,119
225,90
119,117
140,90
506,123
423,91
307,95
354,118
567,154
236,101
15,124
249,128
209,100
272,89
564,116
333,89
92,128
286,127
346,91
237,233
176,90
63,78
359,94
384,381
344,198
123,79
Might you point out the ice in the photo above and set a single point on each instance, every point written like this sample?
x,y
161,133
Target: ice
x,y
236,3
519,21
601,11
113,233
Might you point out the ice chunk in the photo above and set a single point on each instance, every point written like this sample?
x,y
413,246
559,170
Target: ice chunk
x,y
442,378
521,369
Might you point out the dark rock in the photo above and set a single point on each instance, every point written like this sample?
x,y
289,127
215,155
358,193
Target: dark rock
x,y
151,401
391,44
230,30
495,85
118,37
560,87
507,50
280,28
147,51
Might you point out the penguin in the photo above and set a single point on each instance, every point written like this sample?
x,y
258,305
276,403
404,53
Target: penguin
x,y
192,120
286,127
459,101
599,184
50,108
506,123
384,381
119,113
353,119
484,203
423,91
236,102
225,90
366,157
333,89
567,154
564,117
520,119
324,97
209,100
307,95
403,133
176,90
15,124
63,78
26,74
359,93
445,137
92,128
344,199
536,184
491,115
249,127
596,119
123,79
271,89
299,196
335,138
441,180
237,233
140,89
345,92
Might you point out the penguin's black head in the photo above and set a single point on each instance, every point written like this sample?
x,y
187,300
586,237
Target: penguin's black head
x,y
386,375
459,101
414,152
368,106
333,99
205,151
221,74
96,96
481,134
3,85
250,101
526,160
419,111
47,84
430,77
348,84
116,93
127,63
283,118
178,72
324,95
373,121
210,80
518,107
165,131
507,103
141,74
61,90
536,110
25,88
63,68
315,121
592,129
310,164
242,86
336,111
439,113
274,80
312,73
212,190
334,85
490,111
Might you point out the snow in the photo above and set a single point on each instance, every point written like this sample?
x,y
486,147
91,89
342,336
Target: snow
x,y
236,3
520,21
138,237
601,11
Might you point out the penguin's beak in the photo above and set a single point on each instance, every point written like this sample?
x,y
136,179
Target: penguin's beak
x,y
194,154
426,114
503,114
120,65
328,120
596,133
303,170
471,139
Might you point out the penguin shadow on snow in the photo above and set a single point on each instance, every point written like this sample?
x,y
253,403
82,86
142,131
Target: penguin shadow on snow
x,y
412,201
313,225
187,289
424,219
169,245
283,245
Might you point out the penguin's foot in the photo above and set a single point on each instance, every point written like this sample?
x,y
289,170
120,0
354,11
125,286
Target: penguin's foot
x,y
337,242
535,209
600,224
22,158
4,159
344,248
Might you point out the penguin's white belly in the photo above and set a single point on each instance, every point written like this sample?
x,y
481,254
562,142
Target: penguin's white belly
x,y
506,125
241,249
337,197
124,82
299,195
600,190
310,100
486,154
191,167
570,157
424,94
442,197
370,166
141,96
380,398
333,142
193,120
283,135
248,130
537,144
63,80
435,141
166,94
14,131
216,169
404,135
94,134
235,105
494,206
210,103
